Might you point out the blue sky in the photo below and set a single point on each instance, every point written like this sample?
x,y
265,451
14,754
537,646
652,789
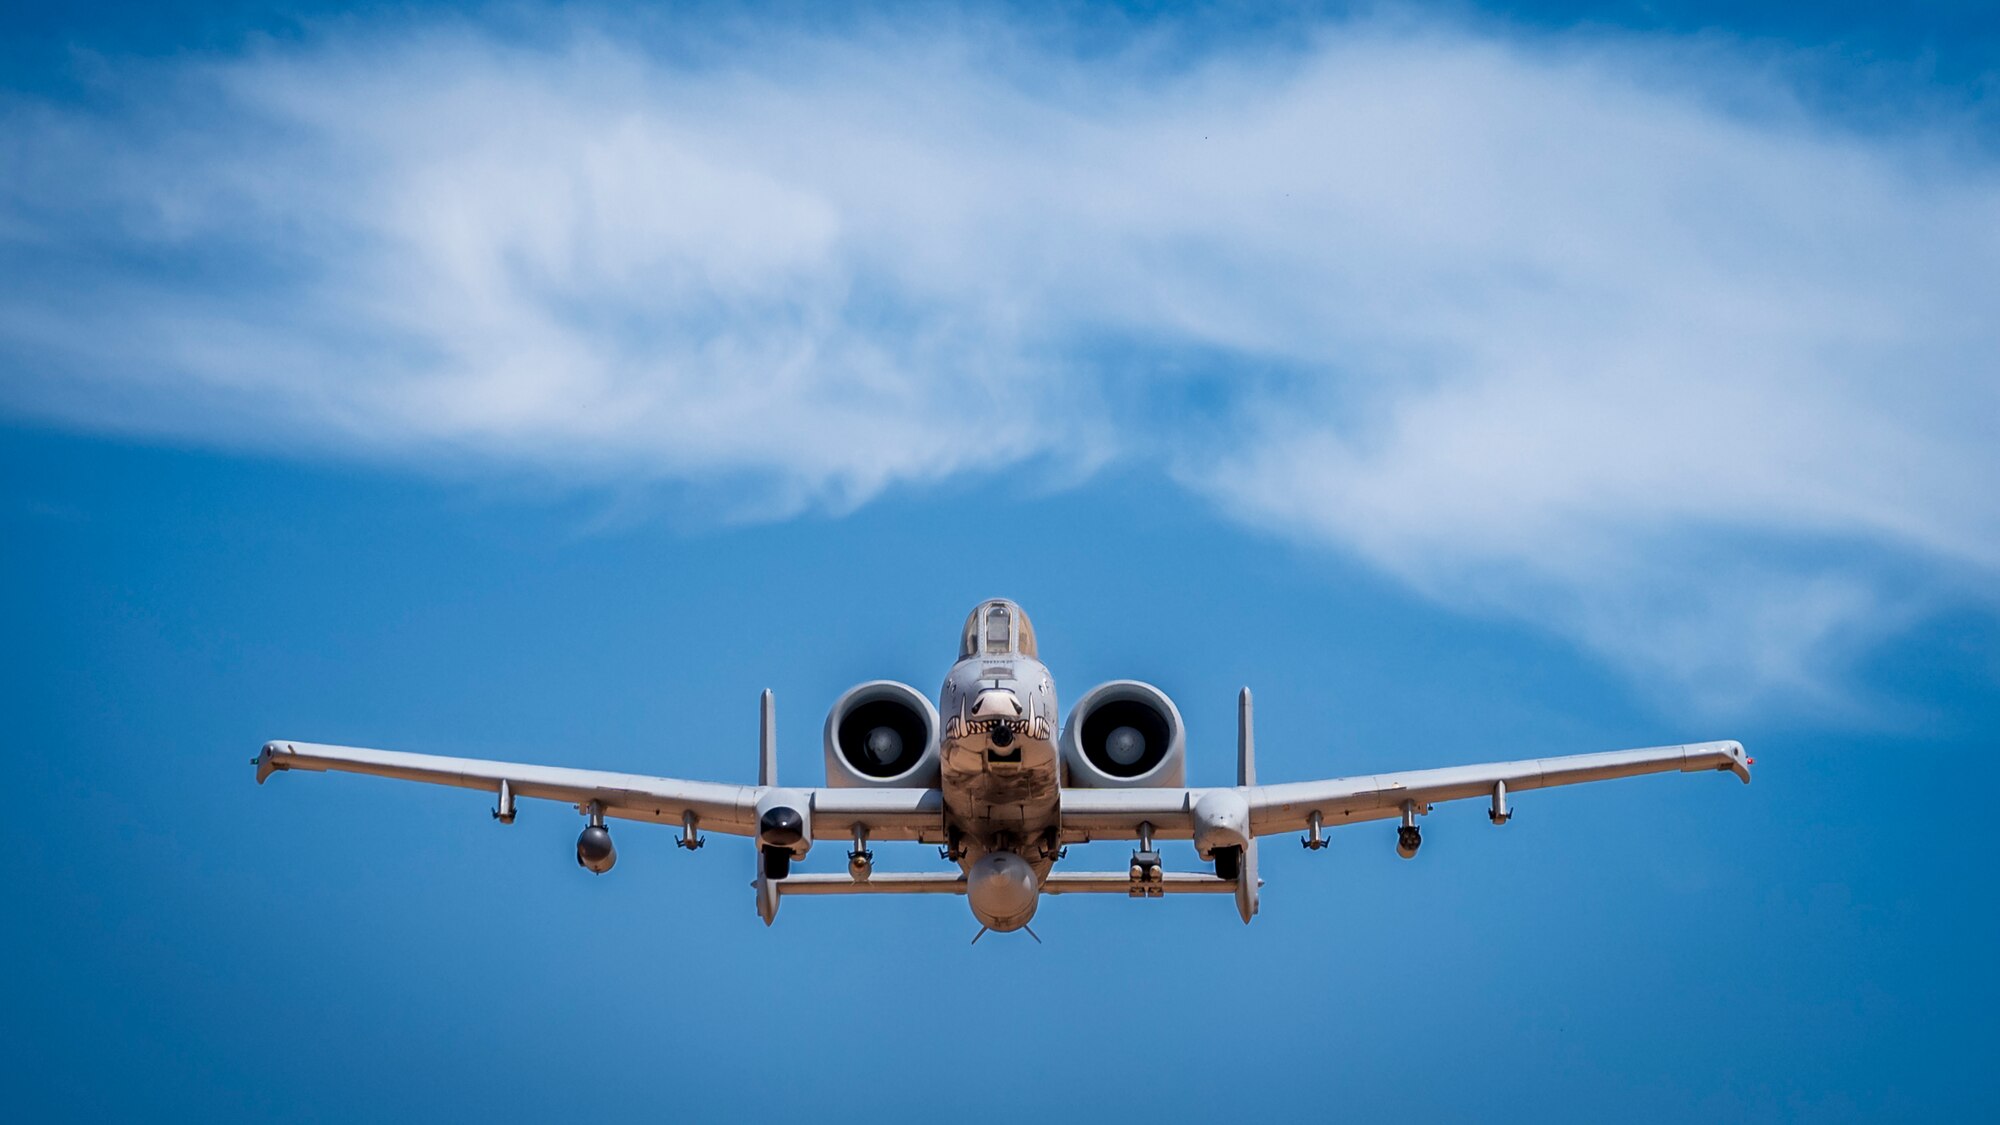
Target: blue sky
x,y
543,383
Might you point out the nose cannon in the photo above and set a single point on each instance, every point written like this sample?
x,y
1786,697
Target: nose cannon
x,y
998,714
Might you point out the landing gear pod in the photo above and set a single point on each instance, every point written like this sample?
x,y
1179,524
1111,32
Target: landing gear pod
x,y
784,831
1222,831
1222,825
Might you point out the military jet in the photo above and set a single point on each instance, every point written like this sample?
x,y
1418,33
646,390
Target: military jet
x,y
989,777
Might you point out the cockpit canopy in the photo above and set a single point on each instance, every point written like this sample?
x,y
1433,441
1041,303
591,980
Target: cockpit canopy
x,y
999,628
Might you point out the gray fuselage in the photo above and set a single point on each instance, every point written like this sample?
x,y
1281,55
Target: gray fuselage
x,y
1001,775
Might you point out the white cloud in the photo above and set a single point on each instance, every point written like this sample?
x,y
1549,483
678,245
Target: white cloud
x,y
1610,334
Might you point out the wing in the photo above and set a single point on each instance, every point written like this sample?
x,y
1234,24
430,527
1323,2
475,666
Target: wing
x,y
1289,807
888,814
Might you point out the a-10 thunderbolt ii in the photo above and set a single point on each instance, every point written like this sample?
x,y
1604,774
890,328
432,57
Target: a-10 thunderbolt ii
x,y
986,776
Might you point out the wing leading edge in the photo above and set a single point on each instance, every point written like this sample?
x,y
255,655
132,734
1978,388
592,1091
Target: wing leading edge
x,y
1289,806
888,814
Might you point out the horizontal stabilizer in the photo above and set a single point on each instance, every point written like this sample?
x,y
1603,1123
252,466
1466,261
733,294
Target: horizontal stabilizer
x,y
1058,883
1119,883
881,883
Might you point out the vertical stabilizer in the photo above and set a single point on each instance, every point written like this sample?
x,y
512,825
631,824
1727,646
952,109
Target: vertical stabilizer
x,y
1247,882
767,775
1246,741
767,739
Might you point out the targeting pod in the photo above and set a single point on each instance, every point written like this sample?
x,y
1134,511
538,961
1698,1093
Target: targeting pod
x,y
1002,890
595,852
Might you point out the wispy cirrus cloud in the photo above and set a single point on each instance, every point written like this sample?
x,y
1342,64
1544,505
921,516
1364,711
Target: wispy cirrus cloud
x,y
1608,333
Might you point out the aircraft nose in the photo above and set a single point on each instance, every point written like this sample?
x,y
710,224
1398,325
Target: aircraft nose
x,y
997,703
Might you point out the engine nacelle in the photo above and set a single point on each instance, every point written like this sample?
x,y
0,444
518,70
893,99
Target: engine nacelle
x,y
882,734
1124,735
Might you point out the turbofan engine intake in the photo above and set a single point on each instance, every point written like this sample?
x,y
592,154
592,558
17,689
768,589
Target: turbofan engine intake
x,y
882,734
1124,735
